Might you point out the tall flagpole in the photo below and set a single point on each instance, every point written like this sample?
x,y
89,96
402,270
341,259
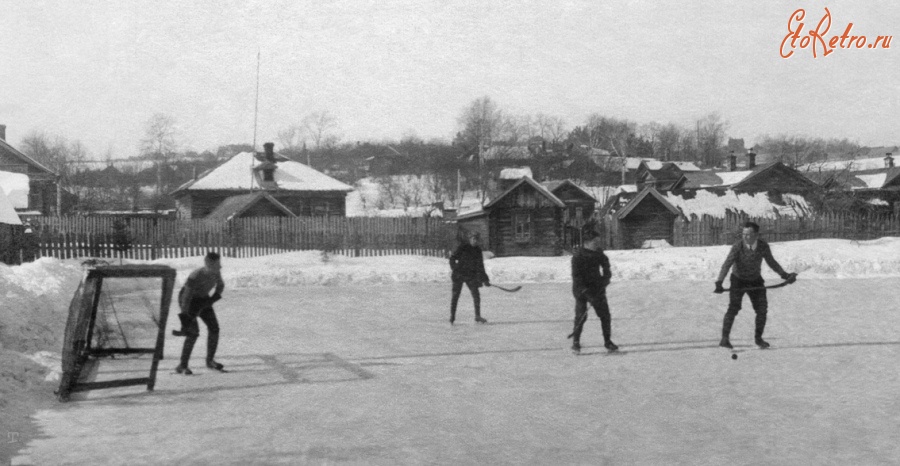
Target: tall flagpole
x,y
255,119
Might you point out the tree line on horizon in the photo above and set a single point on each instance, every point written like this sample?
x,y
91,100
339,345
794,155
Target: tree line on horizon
x,y
488,138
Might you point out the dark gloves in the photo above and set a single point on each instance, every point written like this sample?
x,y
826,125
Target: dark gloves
x,y
604,282
790,277
215,297
719,289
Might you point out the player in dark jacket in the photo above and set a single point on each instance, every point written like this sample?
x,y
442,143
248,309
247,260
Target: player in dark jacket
x,y
589,286
195,301
467,264
745,261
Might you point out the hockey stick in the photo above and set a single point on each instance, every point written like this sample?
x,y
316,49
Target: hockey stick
x,y
509,290
785,283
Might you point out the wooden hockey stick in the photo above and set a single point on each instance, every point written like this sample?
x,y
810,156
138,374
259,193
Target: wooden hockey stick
x,y
509,290
785,283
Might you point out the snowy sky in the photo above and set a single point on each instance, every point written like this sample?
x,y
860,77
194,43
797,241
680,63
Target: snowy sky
x,y
97,71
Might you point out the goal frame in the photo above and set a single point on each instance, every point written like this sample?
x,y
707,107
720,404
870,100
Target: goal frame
x,y
83,310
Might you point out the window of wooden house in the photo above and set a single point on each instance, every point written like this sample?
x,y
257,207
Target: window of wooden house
x,y
579,214
522,226
269,175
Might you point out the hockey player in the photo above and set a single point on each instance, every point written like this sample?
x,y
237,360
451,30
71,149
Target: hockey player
x,y
195,301
589,286
745,261
467,265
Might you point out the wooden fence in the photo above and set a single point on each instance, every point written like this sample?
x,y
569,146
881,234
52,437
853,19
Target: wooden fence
x,y
709,231
149,239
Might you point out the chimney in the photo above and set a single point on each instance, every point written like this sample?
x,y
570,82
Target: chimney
x,y
888,161
751,159
3,132
732,161
270,151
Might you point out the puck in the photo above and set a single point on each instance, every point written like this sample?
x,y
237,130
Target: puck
x,y
734,356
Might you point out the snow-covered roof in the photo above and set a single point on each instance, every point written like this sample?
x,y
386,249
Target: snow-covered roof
x,y
733,178
686,166
754,205
873,181
15,186
851,165
8,214
235,174
515,173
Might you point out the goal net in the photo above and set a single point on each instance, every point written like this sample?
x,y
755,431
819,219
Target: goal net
x,y
117,312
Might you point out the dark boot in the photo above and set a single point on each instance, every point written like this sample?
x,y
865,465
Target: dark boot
x,y
612,347
476,300
726,331
186,351
212,343
576,347
760,327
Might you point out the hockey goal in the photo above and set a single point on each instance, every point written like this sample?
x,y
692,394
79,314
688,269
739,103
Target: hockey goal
x,y
117,310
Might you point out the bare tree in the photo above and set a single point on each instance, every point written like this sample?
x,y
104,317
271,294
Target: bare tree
x,y
482,123
711,138
292,138
57,154
553,128
320,127
666,140
610,134
159,143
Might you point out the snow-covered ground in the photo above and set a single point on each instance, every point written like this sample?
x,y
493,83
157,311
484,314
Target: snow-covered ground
x,y
339,359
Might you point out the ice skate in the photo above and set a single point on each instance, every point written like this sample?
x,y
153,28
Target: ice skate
x,y
763,344
611,347
726,343
212,364
183,370
481,320
576,348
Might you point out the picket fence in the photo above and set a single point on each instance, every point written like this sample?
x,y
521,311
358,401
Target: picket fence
x,y
150,239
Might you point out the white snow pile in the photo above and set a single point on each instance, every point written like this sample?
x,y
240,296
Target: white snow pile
x,y
822,258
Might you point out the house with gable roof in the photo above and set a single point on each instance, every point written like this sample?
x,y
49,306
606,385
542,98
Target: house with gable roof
x,y
261,184
874,181
43,183
530,218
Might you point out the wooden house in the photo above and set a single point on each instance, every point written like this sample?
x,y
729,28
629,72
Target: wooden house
x,y
525,220
580,207
769,177
291,189
632,220
45,196
869,185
